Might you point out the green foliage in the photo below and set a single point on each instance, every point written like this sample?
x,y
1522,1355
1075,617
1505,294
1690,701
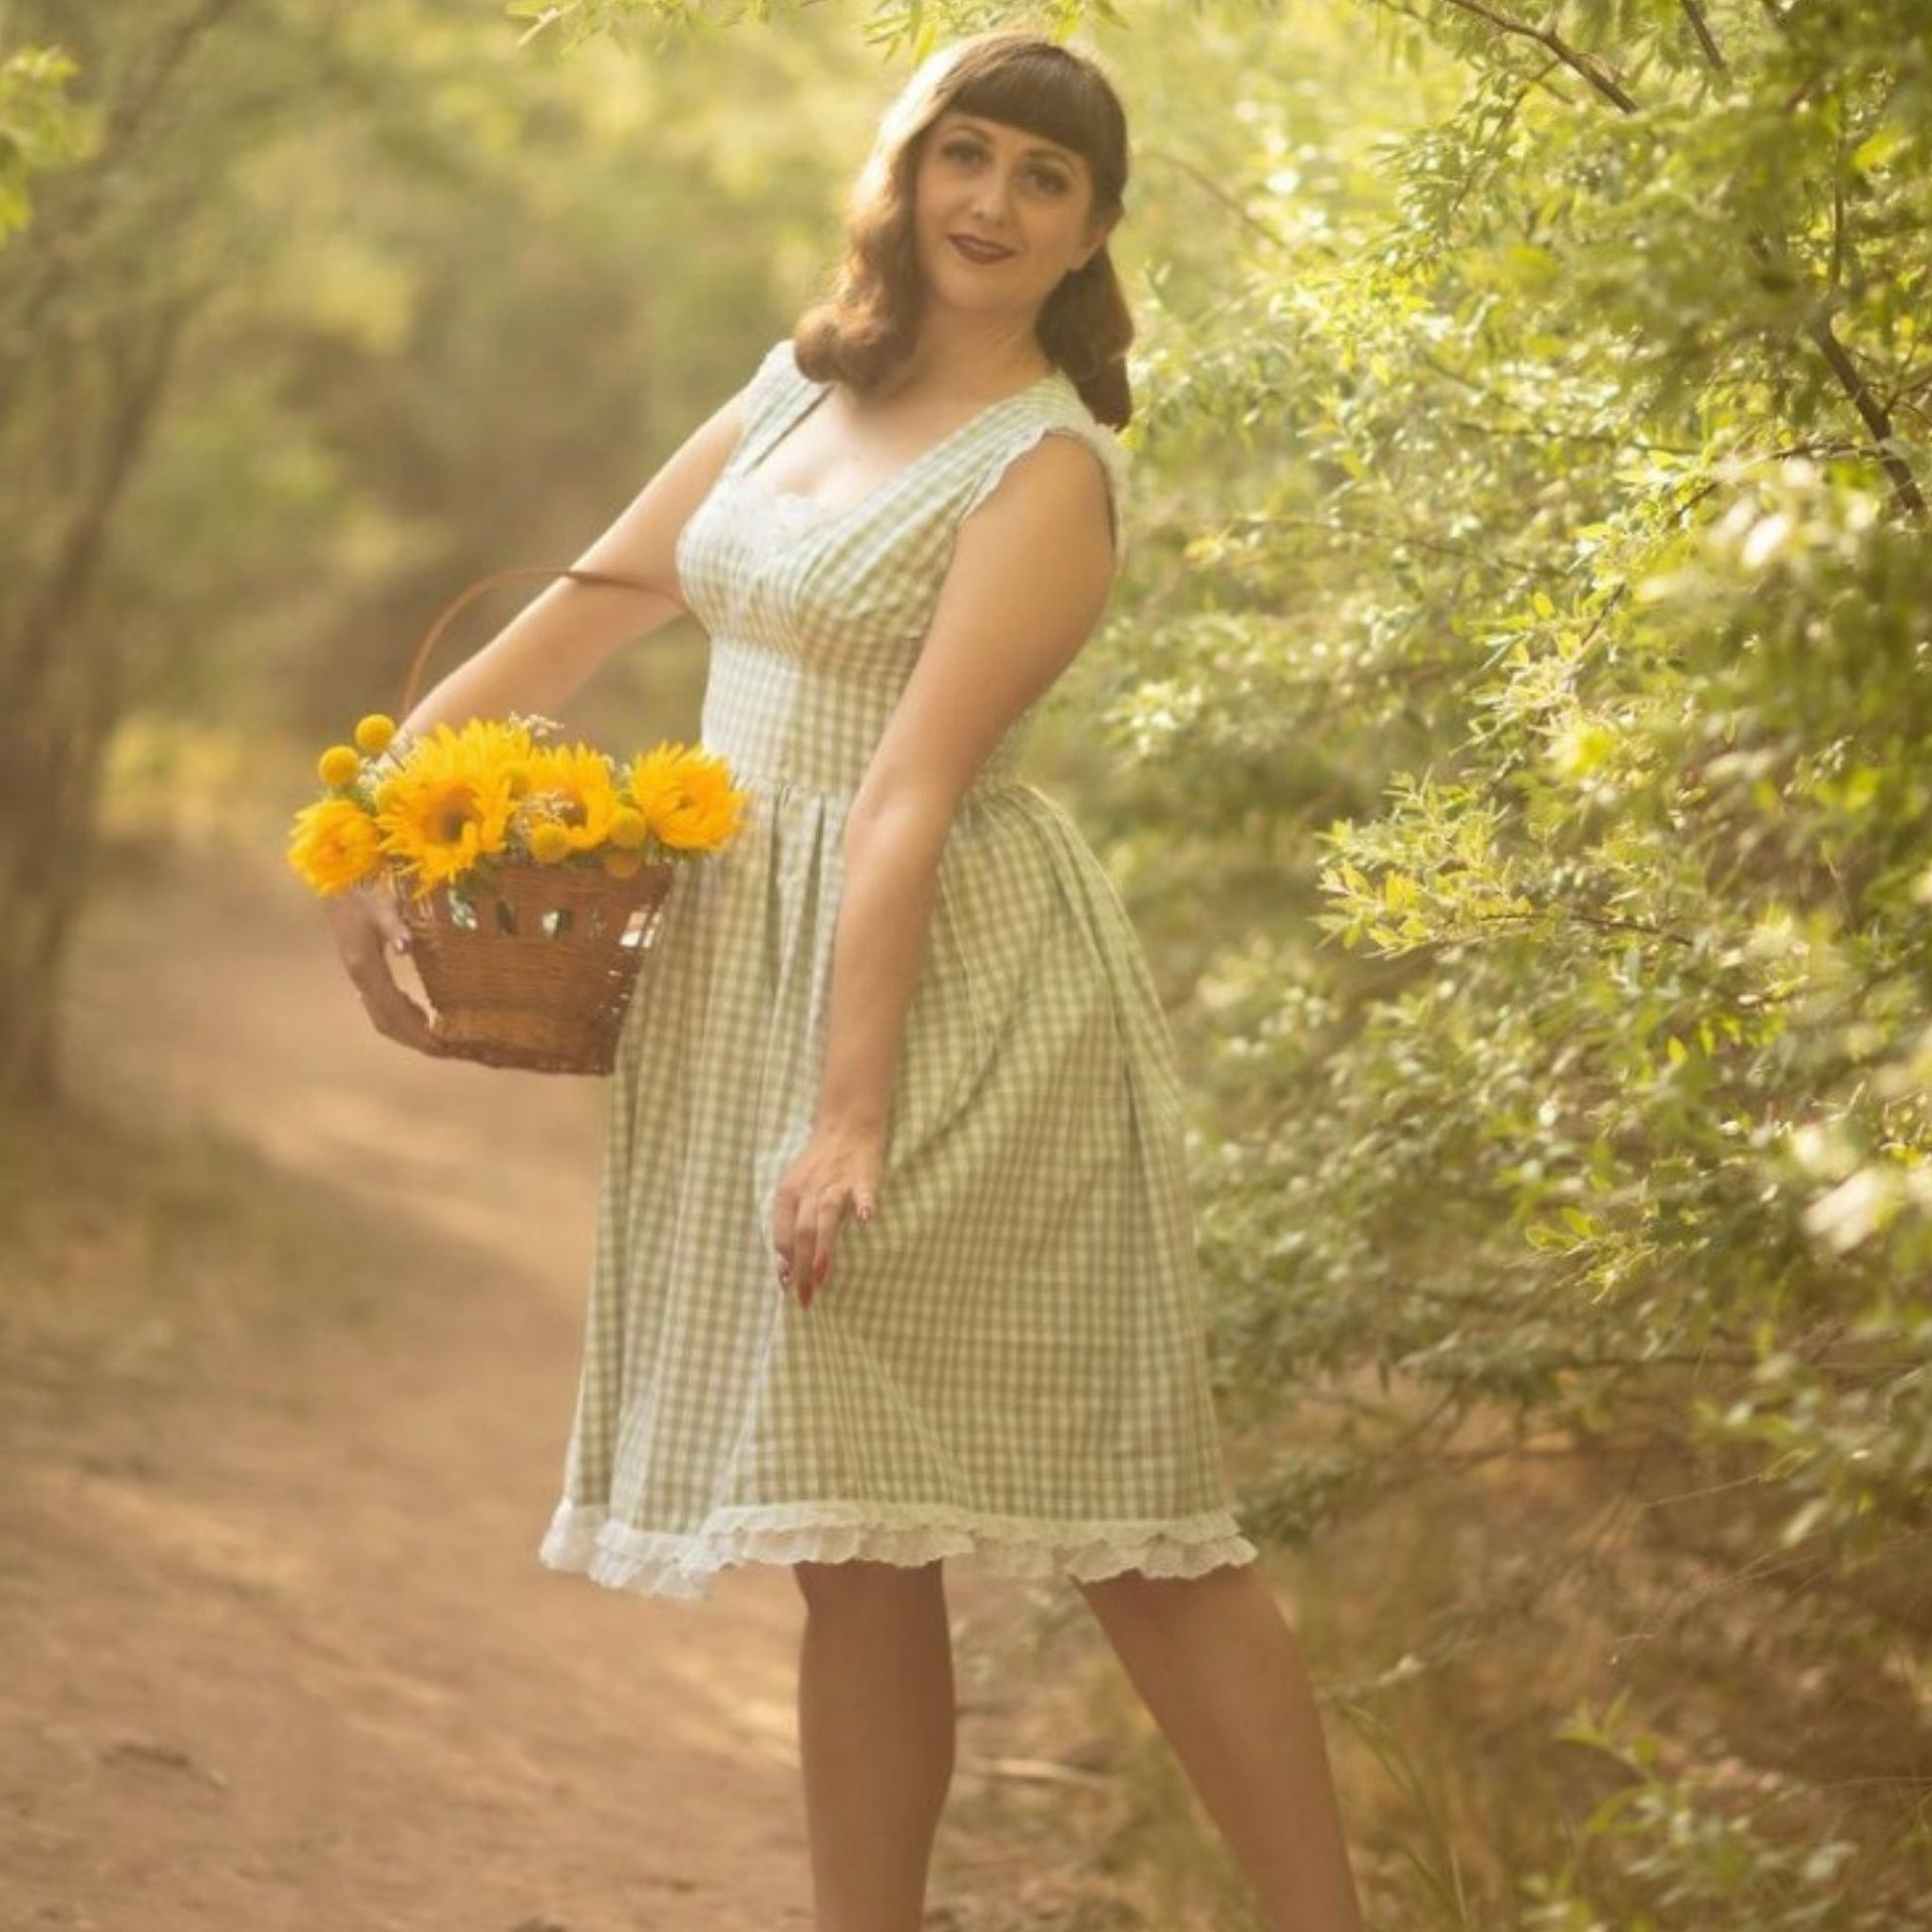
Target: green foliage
x,y
40,127
889,25
1543,575
1713,1859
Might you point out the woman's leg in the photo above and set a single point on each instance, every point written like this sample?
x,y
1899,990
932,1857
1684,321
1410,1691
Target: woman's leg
x,y
875,1732
1215,1663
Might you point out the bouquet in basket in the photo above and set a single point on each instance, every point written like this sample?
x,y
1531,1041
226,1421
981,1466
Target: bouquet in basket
x,y
531,872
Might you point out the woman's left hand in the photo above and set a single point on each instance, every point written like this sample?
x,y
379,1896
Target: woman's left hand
x,y
839,1170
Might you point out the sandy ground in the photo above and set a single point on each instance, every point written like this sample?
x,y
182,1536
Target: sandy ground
x,y
277,1648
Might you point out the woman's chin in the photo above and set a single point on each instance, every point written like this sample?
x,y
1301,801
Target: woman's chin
x,y
974,297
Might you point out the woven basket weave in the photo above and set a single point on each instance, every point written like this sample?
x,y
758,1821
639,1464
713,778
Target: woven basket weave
x,y
531,966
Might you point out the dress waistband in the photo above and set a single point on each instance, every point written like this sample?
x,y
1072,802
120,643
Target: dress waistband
x,y
777,778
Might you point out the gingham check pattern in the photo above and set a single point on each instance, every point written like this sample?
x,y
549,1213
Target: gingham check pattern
x,y
1009,1363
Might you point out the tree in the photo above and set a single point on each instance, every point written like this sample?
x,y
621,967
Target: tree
x,y
1570,614
96,299
339,312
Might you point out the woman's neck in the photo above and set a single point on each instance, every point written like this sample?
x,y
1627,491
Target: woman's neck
x,y
973,358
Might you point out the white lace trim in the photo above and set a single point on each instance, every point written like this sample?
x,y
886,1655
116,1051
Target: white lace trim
x,y
785,507
1113,458
586,1537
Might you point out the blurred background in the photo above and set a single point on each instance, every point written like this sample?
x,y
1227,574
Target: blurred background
x,y
1513,740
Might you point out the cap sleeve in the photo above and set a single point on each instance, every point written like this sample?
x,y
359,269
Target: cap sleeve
x,y
1083,428
775,377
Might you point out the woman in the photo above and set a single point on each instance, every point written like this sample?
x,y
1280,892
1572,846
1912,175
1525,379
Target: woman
x,y
903,1025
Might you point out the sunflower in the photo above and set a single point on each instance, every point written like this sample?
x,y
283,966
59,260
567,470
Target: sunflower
x,y
334,845
573,786
686,796
449,804
492,743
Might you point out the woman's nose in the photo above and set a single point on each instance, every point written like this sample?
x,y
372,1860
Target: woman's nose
x,y
990,197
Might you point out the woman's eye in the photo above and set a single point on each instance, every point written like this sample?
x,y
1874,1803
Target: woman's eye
x,y
963,151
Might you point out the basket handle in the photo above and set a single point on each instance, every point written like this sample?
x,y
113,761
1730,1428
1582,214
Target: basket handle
x,y
467,596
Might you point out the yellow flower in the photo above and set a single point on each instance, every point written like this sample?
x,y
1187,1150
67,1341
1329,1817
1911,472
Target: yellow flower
x,y
622,864
686,796
572,785
549,842
375,733
491,743
449,806
334,845
339,765
629,830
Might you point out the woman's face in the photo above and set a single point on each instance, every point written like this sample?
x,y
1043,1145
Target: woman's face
x,y
999,213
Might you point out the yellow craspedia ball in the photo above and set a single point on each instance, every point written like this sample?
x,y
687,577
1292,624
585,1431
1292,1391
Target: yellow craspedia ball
x,y
549,842
388,794
339,765
629,830
620,863
373,732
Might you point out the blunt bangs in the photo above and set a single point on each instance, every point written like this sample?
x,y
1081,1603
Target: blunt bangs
x,y
1055,98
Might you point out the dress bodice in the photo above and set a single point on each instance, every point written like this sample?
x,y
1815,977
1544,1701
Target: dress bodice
x,y
818,613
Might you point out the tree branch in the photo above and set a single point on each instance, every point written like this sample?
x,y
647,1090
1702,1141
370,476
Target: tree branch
x,y
1701,28
1906,489
1341,527
1605,922
1572,57
1209,186
142,364
1818,326
1851,379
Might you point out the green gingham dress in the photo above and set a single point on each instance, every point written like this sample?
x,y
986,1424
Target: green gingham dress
x,y
1009,1363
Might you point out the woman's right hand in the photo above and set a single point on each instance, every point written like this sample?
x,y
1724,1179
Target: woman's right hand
x,y
369,927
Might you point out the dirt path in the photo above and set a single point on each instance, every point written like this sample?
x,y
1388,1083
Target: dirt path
x,y
279,1653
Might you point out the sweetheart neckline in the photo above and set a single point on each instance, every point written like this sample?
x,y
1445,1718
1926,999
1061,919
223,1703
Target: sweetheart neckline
x,y
749,475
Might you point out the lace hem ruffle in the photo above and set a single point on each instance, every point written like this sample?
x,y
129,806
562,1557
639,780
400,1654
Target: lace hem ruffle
x,y
585,1536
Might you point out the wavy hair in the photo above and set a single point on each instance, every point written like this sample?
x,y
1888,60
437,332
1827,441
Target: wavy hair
x,y
869,322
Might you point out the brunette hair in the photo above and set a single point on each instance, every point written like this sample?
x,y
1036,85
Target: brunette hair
x,y
867,325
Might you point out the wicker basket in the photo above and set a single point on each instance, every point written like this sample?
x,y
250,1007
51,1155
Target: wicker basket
x,y
532,966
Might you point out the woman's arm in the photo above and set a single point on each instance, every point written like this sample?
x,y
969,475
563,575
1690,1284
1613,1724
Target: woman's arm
x,y
1028,582
543,656
535,664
